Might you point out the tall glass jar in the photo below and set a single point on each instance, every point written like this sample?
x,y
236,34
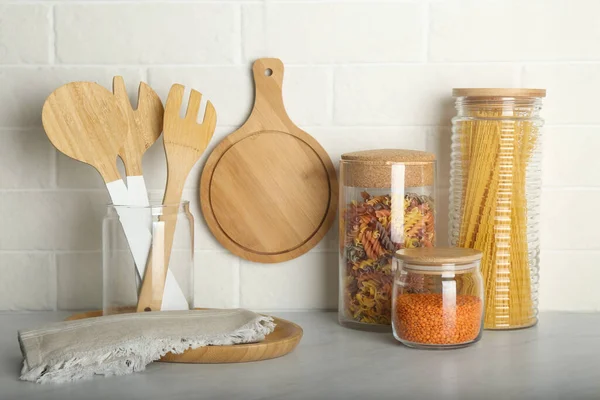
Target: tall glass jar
x,y
438,297
122,277
387,202
495,190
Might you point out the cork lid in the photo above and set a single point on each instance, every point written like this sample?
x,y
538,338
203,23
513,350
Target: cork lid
x,y
373,168
388,156
497,92
438,256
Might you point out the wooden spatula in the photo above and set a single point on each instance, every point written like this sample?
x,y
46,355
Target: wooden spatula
x,y
185,141
145,127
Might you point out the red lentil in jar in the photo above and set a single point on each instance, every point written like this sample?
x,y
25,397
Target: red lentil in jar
x,y
437,298
428,319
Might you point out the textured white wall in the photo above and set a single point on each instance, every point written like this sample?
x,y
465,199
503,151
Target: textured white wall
x,y
359,75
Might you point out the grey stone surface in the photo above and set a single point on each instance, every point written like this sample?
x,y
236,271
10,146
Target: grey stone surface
x,y
558,359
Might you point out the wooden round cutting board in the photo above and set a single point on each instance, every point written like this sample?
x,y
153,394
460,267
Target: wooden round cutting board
x,y
269,190
281,341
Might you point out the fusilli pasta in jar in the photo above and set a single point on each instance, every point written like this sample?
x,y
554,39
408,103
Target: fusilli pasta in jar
x,y
386,204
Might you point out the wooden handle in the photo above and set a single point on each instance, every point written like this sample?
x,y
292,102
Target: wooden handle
x,y
152,291
268,99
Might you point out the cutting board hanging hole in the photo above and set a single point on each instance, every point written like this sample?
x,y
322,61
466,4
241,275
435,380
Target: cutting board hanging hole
x,y
268,72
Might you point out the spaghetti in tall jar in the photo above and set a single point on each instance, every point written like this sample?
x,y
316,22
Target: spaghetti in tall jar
x,y
495,190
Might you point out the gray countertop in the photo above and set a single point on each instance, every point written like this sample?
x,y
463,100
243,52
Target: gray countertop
x,y
558,359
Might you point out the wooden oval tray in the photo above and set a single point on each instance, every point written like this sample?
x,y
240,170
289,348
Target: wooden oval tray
x,y
282,341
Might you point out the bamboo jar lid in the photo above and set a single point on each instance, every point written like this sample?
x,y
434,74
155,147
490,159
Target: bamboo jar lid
x,y
498,92
438,256
373,168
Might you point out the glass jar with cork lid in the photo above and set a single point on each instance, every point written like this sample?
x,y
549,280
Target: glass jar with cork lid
x,y
387,203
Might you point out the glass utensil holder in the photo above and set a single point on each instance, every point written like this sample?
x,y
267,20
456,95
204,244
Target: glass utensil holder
x,y
122,276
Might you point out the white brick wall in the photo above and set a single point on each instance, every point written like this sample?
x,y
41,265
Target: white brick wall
x,y
359,74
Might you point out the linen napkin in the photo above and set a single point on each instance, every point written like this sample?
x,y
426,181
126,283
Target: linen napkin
x,y
125,343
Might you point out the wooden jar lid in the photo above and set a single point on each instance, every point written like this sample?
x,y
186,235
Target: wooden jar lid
x,y
498,92
269,190
438,256
373,168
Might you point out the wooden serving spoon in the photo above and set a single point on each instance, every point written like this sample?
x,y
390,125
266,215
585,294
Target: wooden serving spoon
x,y
145,127
84,121
185,140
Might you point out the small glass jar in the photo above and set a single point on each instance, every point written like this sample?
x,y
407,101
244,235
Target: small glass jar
x,y
495,193
122,277
438,297
387,202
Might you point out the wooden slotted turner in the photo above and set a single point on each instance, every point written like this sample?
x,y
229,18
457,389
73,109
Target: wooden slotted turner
x,y
185,140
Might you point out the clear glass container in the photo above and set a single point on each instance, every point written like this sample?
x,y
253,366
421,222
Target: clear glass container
x,y
387,202
438,298
122,277
495,190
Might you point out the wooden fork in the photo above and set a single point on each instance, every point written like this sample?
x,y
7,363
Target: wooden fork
x,y
185,140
